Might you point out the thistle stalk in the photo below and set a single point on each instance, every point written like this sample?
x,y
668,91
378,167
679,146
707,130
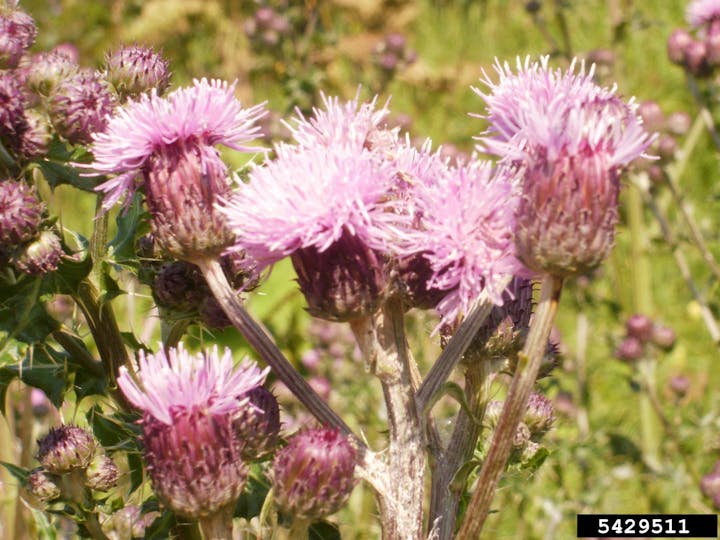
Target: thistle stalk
x,y
522,384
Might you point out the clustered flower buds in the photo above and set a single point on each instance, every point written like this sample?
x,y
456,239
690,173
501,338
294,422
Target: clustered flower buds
x,y
641,331
699,54
313,475
17,33
392,53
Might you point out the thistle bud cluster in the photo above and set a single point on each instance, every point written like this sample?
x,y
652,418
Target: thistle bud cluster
x,y
267,28
697,50
71,464
393,54
641,332
25,243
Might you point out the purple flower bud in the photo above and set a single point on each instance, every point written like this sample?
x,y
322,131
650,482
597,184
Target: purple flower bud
x,y
212,314
321,385
677,44
652,115
663,337
69,50
313,475
710,483
603,57
44,485
712,45
66,448
311,359
17,33
37,137
414,274
264,17
388,61
666,147
46,70
258,424
656,173
344,282
80,106
101,474
41,256
639,326
40,403
679,384
12,111
280,24
20,213
128,522
539,415
678,123
395,42
133,70
630,349
179,286
695,59
521,437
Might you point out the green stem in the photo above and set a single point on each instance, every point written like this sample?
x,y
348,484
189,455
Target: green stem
x,y
642,303
515,404
217,526
450,474
299,529
451,354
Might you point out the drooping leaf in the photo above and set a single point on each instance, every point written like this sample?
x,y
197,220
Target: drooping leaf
x,y
324,530
18,472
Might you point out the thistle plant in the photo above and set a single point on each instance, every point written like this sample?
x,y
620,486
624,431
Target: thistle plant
x,y
393,245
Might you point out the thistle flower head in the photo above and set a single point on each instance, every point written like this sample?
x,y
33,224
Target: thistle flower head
x,y
17,33
190,402
461,222
66,448
41,256
569,139
134,69
315,191
20,213
313,475
259,428
46,70
702,12
12,111
192,119
80,106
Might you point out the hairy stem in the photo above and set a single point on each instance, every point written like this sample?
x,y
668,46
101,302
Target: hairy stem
x,y
382,341
217,526
259,339
515,404
454,350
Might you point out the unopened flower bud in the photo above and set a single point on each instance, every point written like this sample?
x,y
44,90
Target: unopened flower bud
x,y
128,523
677,44
493,410
43,485
666,147
710,483
395,42
45,71
630,349
17,33
80,106
313,475
522,436
212,314
41,256
603,57
66,448
712,45
102,473
539,415
179,286
679,384
652,115
678,123
20,213
12,111
663,337
344,282
639,326
696,59
36,139
133,70
258,425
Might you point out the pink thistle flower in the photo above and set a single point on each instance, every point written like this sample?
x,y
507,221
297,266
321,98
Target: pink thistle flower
x,y
190,403
570,140
462,223
315,201
170,142
702,12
